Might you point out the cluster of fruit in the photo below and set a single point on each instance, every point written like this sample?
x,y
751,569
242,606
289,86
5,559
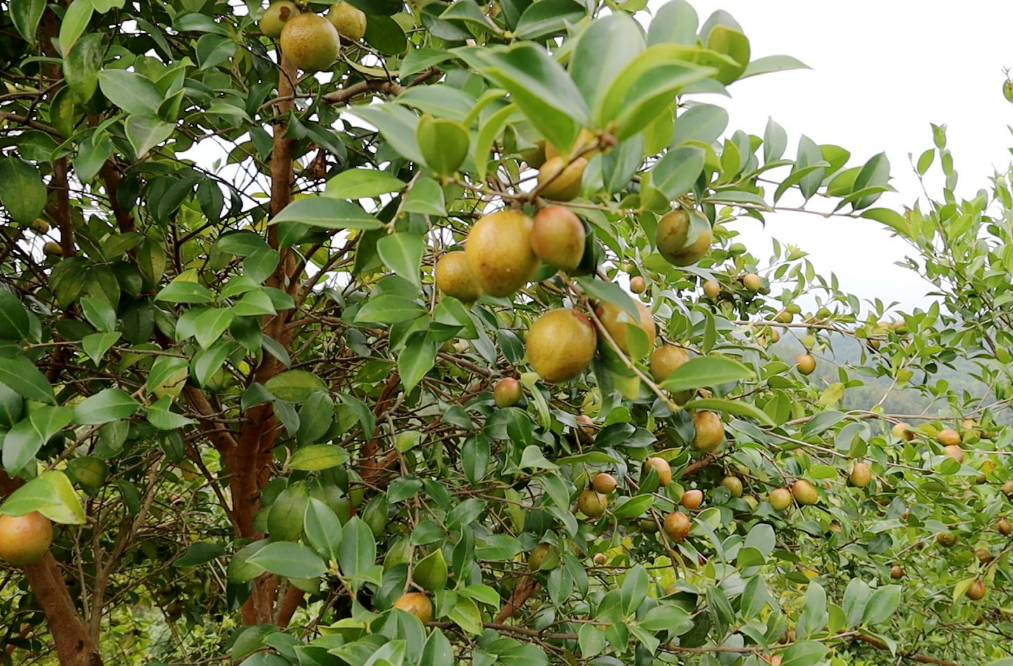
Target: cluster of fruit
x,y
310,41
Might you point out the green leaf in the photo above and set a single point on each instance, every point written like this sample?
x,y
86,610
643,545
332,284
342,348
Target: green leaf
x,y
323,529
361,183
538,85
21,375
418,60
130,91
26,15
734,407
288,559
146,132
15,321
704,371
890,218
162,417
182,290
416,360
316,457
51,494
805,653
731,42
200,552
676,173
211,325
546,17
284,522
389,309
402,253
75,22
295,385
814,615
425,197
25,439
105,406
357,552
634,507
443,142
397,126
609,292
437,651
431,571
675,22
856,598
774,63
882,605
326,213
22,191
81,67
466,615
97,344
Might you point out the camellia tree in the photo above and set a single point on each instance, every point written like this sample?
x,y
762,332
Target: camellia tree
x,y
315,349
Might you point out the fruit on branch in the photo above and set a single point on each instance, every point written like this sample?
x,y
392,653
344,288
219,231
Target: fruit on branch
x,y
804,493
581,147
40,226
677,526
560,181
977,590
806,364
507,392
599,559
603,483
710,431
681,239
499,252
665,360
348,20
417,604
661,468
310,42
1007,489
752,282
592,504
276,16
983,555
25,540
692,499
585,427
948,437
861,475
454,277
733,485
1004,526
946,539
53,249
557,237
954,451
712,289
780,499
561,344
638,284
896,572
903,431
537,556
615,320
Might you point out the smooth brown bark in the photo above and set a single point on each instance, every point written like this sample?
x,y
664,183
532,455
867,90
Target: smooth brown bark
x,y
74,645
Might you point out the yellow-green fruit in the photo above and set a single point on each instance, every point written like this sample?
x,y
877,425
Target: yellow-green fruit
x,y
561,344
780,499
903,431
584,141
603,483
276,16
24,540
1007,489
861,475
560,181
733,485
712,289
1004,526
806,364
804,493
673,241
692,499
954,451
507,392
417,604
557,237
677,526
454,277
946,539
53,249
710,431
664,361
896,572
976,591
534,157
638,285
310,42
600,559
784,317
752,282
40,226
348,20
591,503
661,467
499,252
615,320
948,436
537,556
585,426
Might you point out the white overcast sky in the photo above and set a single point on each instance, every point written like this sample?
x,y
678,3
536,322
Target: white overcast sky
x,y
881,72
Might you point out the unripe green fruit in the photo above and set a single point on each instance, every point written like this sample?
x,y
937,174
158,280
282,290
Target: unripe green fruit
x,y
712,289
784,317
538,555
673,241
276,16
348,20
591,503
946,539
733,485
903,431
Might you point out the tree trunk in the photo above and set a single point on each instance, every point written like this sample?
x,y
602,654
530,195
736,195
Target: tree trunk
x,y
74,645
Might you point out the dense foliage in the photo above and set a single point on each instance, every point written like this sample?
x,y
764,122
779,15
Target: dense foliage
x,y
265,436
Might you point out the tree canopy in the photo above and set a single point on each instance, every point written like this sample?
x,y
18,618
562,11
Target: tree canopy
x,y
419,334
